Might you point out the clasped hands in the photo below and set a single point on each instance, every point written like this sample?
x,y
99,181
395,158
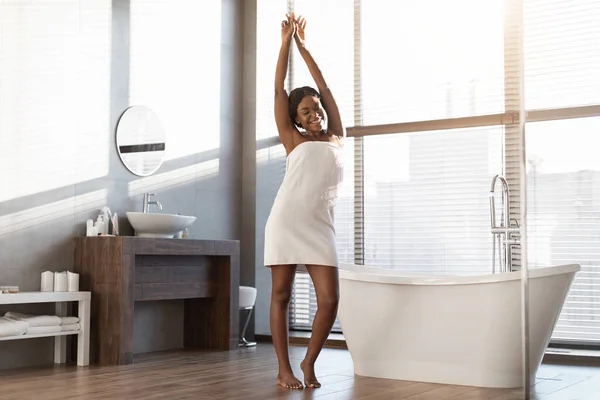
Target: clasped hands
x,y
295,27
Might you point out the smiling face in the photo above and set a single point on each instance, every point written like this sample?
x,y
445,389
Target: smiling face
x,y
311,115
307,112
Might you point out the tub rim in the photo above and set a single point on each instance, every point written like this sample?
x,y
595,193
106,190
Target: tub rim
x,y
354,272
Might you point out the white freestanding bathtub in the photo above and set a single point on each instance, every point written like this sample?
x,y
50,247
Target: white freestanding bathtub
x,y
462,330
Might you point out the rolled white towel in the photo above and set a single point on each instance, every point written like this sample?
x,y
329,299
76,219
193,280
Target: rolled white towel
x,y
10,327
70,327
35,320
69,320
43,329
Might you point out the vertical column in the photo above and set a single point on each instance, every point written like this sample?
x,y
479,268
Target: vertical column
x,y
515,160
248,207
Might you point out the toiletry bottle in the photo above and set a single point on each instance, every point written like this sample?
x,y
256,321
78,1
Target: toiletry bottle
x,y
115,224
89,226
99,225
106,216
185,234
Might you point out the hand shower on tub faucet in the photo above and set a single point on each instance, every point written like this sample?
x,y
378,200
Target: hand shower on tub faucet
x,y
503,232
505,193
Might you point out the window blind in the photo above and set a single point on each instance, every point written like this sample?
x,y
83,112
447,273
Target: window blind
x,y
195,88
329,37
269,15
426,200
562,53
562,73
419,181
422,60
392,172
564,215
53,55
328,22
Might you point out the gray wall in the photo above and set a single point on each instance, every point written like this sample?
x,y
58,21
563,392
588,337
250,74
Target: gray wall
x,y
248,206
67,72
270,169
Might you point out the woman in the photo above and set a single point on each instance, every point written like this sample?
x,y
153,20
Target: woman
x,y
300,229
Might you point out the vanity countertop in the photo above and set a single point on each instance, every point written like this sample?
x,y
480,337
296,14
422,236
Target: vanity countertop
x,y
161,246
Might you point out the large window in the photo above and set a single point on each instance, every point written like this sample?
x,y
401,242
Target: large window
x,y
425,203
420,60
562,81
431,92
564,215
562,53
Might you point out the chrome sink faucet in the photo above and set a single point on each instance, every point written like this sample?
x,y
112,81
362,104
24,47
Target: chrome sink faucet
x,y
147,202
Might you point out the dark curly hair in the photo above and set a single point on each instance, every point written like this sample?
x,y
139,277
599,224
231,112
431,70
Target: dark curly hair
x,y
296,97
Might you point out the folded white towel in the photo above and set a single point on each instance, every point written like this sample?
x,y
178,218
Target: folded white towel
x,y
70,327
69,320
10,327
35,320
43,329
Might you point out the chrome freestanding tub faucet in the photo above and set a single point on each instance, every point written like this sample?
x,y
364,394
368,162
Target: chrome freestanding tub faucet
x,y
505,234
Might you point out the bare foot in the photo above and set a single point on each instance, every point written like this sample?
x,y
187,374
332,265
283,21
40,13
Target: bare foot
x,y
310,380
288,381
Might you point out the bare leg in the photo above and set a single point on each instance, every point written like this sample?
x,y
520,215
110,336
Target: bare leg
x,y
283,280
325,280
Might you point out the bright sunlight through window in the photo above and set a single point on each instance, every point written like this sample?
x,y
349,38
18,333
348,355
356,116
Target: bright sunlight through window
x,y
176,70
53,55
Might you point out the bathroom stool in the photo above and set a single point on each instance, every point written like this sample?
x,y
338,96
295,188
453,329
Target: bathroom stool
x,y
247,300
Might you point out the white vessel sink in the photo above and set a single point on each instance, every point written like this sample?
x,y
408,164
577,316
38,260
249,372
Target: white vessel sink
x,y
157,225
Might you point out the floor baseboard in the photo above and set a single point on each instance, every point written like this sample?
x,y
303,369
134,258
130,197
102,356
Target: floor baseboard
x,y
565,356
334,341
553,355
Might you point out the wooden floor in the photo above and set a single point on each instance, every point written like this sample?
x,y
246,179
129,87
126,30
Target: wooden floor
x,y
249,374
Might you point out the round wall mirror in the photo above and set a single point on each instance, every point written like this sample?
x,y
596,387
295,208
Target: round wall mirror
x,y
140,140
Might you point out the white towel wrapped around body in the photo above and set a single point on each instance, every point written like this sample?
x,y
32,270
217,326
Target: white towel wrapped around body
x,y
10,327
300,229
35,320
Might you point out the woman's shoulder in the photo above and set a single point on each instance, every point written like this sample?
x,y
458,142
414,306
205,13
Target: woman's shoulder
x,y
338,140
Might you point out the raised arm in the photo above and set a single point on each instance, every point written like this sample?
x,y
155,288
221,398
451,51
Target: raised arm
x,y
282,116
334,124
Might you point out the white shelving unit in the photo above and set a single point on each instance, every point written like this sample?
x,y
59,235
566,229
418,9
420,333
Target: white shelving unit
x,y
60,343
